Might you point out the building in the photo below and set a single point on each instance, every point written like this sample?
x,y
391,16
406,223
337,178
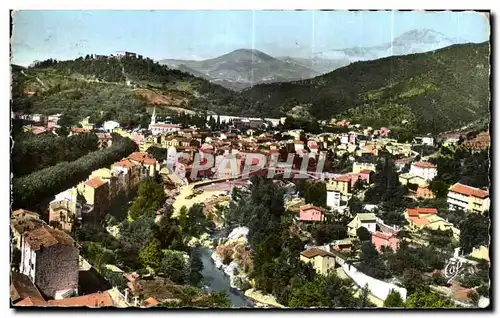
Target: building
x,y
321,260
67,208
380,239
94,300
49,257
341,184
23,292
108,176
421,218
423,192
105,140
163,128
95,191
481,252
357,167
22,221
299,145
86,124
333,199
110,125
128,174
366,220
310,212
461,196
401,163
342,246
424,170
150,166
426,140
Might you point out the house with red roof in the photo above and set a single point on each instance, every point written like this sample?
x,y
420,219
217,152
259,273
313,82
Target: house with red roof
x,y
95,191
128,174
467,198
322,261
421,218
380,239
310,212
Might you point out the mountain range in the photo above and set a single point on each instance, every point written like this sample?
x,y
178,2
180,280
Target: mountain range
x,y
432,92
437,91
244,68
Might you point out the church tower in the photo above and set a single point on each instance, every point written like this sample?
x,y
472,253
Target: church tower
x,y
153,117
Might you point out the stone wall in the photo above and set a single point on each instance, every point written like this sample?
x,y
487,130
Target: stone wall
x,y
377,287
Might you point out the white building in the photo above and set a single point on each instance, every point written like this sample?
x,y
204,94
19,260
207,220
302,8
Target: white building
x,y
344,139
161,128
110,125
424,170
428,140
333,199
171,156
366,220
461,196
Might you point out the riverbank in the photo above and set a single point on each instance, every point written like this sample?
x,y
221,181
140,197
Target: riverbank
x,y
217,281
261,299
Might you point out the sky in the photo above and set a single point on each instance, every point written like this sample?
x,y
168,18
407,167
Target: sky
x,y
39,35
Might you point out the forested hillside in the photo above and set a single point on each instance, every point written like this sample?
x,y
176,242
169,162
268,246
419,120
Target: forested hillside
x,y
109,88
429,92
438,90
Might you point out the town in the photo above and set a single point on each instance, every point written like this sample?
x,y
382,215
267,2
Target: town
x,y
281,159
376,224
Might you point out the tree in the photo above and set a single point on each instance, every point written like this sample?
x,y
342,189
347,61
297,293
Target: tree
x,y
427,299
308,295
439,188
394,300
338,292
364,297
326,233
363,234
355,206
474,231
150,196
174,267
315,193
151,255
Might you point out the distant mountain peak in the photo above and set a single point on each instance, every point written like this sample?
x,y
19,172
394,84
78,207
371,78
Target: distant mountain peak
x,y
421,36
249,53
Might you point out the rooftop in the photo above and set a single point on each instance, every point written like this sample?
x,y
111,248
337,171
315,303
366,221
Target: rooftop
x,y
311,207
21,225
424,164
313,252
45,236
95,182
21,288
366,217
92,300
124,163
469,191
416,212
24,213
419,221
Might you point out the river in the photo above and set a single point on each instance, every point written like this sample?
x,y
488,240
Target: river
x,y
217,281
